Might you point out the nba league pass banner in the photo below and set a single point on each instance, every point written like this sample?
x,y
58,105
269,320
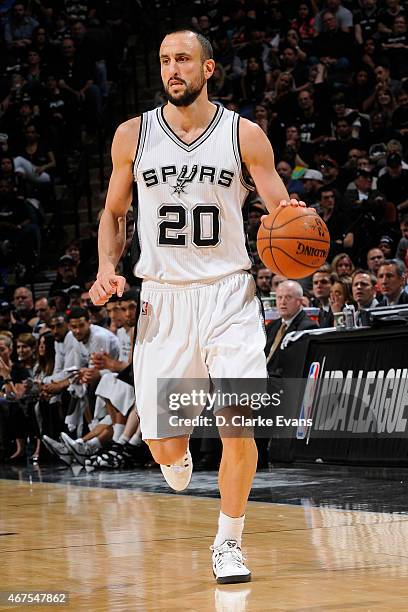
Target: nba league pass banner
x,y
356,396
357,385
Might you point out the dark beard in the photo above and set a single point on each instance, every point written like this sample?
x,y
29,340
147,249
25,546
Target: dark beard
x,y
189,96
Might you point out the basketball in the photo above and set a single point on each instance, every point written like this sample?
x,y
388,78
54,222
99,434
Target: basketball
x,y
293,241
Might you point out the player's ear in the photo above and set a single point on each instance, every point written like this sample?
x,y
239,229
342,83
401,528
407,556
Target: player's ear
x,y
209,67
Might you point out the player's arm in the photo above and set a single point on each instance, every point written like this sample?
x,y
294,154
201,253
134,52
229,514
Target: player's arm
x,y
112,226
258,157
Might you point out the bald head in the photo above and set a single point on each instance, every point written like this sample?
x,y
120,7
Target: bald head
x,y
289,299
206,50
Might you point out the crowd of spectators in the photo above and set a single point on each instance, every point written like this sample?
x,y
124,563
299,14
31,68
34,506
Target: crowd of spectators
x,y
58,66
327,82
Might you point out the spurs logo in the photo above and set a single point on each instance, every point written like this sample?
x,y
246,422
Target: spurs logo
x,y
182,179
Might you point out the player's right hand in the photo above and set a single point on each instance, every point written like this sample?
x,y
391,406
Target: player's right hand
x,y
105,286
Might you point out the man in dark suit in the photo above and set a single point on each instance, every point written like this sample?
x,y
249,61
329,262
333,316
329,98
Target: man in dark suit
x,y
292,318
391,278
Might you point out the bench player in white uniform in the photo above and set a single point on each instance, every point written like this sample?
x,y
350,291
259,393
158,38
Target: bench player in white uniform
x,y
200,316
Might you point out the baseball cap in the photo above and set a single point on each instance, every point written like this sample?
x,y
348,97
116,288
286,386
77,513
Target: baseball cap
x,y
394,160
329,163
74,289
362,172
313,174
386,239
66,259
5,307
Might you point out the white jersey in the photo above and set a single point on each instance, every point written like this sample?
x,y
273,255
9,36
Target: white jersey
x,y
189,223
125,344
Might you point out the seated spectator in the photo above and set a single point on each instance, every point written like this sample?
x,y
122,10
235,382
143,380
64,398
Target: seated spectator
x,y
384,103
59,300
291,61
402,246
304,24
386,245
394,45
253,85
363,86
313,123
34,75
391,278
23,309
283,98
312,182
41,44
263,281
342,16
8,172
379,134
332,177
399,119
66,275
19,234
76,76
366,20
375,259
371,55
292,318
44,313
342,265
285,169
394,183
57,110
295,150
337,222
388,14
219,87
343,141
340,294
277,279
364,290
363,194
322,281
36,159
19,28
26,347
43,367
333,47
12,418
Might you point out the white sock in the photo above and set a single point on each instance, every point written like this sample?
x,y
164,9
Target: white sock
x,y
123,439
95,443
118,429
229,529
135,440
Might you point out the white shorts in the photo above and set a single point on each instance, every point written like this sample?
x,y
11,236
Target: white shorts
x,y
120,394
195,331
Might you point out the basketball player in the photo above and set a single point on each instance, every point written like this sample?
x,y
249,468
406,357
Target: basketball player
x,y
199,314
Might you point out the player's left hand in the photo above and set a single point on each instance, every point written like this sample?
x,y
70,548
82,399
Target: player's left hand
x,y
292,202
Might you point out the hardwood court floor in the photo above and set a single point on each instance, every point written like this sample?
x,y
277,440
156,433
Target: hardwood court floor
x,y
120,550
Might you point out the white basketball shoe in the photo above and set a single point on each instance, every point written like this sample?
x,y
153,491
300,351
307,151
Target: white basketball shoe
x,y
229,563
178,475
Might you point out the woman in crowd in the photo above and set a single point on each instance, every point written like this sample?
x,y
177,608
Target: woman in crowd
x,y
26,352
342,265
43,367
13,377
340,294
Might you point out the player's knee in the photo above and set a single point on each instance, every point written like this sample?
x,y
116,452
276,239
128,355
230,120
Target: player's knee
x,y
169,450
237,449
